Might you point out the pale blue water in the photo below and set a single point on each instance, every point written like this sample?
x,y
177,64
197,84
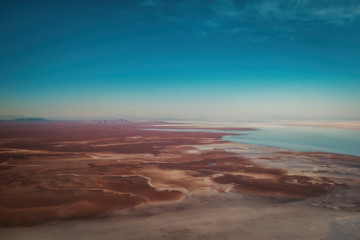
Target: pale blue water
x,y
332,140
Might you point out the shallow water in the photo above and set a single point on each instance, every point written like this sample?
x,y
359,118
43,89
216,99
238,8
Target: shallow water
x,y
334,140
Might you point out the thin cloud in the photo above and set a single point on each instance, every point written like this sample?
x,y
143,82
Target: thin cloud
x,y
328,11
225,9
225,13
147,3
338,15
211,23
233,17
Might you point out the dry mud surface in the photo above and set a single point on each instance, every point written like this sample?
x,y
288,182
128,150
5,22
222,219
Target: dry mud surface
x,y
76,180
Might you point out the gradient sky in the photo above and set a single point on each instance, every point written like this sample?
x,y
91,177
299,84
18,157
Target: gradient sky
x,y
191,59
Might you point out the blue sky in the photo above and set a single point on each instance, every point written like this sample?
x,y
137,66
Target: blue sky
x,y
193,59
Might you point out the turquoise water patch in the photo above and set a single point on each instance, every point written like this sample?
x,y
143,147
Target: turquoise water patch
x,y
334,140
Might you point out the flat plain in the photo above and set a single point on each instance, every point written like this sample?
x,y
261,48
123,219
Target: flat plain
x,y
96,180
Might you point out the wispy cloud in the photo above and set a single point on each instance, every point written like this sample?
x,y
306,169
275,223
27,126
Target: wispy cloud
x,y
147,3
328,11
338,15
211,23
232,17
225,9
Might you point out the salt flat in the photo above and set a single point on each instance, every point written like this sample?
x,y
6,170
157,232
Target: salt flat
x,y
110,181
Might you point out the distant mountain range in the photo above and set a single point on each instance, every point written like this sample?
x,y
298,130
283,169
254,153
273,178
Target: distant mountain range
x,y
15,118
110,121
30,119
10,117
124,121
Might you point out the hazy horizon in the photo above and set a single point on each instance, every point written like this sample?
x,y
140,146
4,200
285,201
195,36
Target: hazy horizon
x,y
174,119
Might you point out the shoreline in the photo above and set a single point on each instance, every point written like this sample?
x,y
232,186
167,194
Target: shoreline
x,y
67,174
351,125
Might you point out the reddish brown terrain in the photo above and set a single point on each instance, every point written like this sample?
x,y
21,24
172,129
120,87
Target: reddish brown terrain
x,y
68,170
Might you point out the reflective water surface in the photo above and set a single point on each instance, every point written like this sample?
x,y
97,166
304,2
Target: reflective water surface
x,y
298,138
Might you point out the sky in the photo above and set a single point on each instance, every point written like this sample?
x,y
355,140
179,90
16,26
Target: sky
x,y
190,59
